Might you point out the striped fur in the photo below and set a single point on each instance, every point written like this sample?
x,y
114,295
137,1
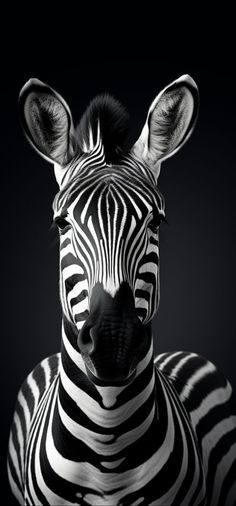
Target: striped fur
x,y
166,433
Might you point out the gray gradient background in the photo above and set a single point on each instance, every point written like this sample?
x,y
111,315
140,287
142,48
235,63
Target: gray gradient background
x,y
197,247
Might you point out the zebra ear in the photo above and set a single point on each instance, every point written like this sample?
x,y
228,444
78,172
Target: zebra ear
x,y
47,123
170,121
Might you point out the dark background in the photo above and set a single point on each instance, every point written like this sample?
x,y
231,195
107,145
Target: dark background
x,y
198,246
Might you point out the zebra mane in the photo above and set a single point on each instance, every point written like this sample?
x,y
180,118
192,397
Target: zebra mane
x,y
113,123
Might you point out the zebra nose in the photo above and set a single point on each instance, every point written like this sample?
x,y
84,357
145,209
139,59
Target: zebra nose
x,y
112,349
112,338
109,316
111,332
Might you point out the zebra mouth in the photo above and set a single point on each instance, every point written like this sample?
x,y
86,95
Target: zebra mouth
x,y
109,378
109,374
88,363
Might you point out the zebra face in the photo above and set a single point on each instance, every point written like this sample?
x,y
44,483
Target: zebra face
x,y
109,260
108,212
108,228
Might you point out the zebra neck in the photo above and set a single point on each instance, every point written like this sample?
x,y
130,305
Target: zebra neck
x,y
106,418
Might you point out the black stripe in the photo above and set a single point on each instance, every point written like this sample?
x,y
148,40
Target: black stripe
x,y
71,281
228,482
34,431
21,414
69,446
81,316
154,241
16,445
147,277
77,376
207,384
39,377
142,294
217,453
172,362
13,474
69,260
58,485
216,415
83,294
65,243
32,473
53,361
29,397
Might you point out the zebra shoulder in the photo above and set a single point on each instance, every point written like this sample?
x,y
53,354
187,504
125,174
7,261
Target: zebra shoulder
x,y
205,392
35,385
32,391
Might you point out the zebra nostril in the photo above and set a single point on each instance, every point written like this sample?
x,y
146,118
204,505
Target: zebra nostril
x,y
85,340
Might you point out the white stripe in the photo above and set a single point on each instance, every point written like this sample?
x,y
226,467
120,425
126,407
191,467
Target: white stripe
x,y
77,289
141,303
47,371
175,371
36,422
168,359
73,354
221,472
69,271
16,491
159,357
110,394
214,435
139,213
103,443
20,437
25,407
34,389
148,267
88,476
202,372
14,458
51,497
230,498
66,250
113,464
80,324
83,214
80,307
99,415
215,398
152,248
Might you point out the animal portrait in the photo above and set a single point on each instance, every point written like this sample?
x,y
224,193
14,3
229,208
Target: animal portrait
x,y
107,420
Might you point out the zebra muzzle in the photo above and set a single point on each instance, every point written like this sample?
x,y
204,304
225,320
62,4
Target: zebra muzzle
x,y
113,339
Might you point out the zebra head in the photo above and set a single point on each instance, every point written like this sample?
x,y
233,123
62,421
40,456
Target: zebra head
x,y
108,211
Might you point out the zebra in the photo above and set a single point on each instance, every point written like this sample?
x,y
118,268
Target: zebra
x,y
104,422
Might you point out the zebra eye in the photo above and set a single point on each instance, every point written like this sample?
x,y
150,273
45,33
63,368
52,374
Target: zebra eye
x,y
61,223
154,224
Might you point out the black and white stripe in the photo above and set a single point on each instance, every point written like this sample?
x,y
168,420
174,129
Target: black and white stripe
x,y
166,433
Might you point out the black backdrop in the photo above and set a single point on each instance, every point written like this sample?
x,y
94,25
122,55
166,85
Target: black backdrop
x,y
198,246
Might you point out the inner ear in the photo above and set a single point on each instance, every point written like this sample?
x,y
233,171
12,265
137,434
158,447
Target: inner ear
x,y
47,122
169,122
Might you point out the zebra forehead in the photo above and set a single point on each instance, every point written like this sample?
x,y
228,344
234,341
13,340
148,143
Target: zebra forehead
x,y
89,170
131,190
